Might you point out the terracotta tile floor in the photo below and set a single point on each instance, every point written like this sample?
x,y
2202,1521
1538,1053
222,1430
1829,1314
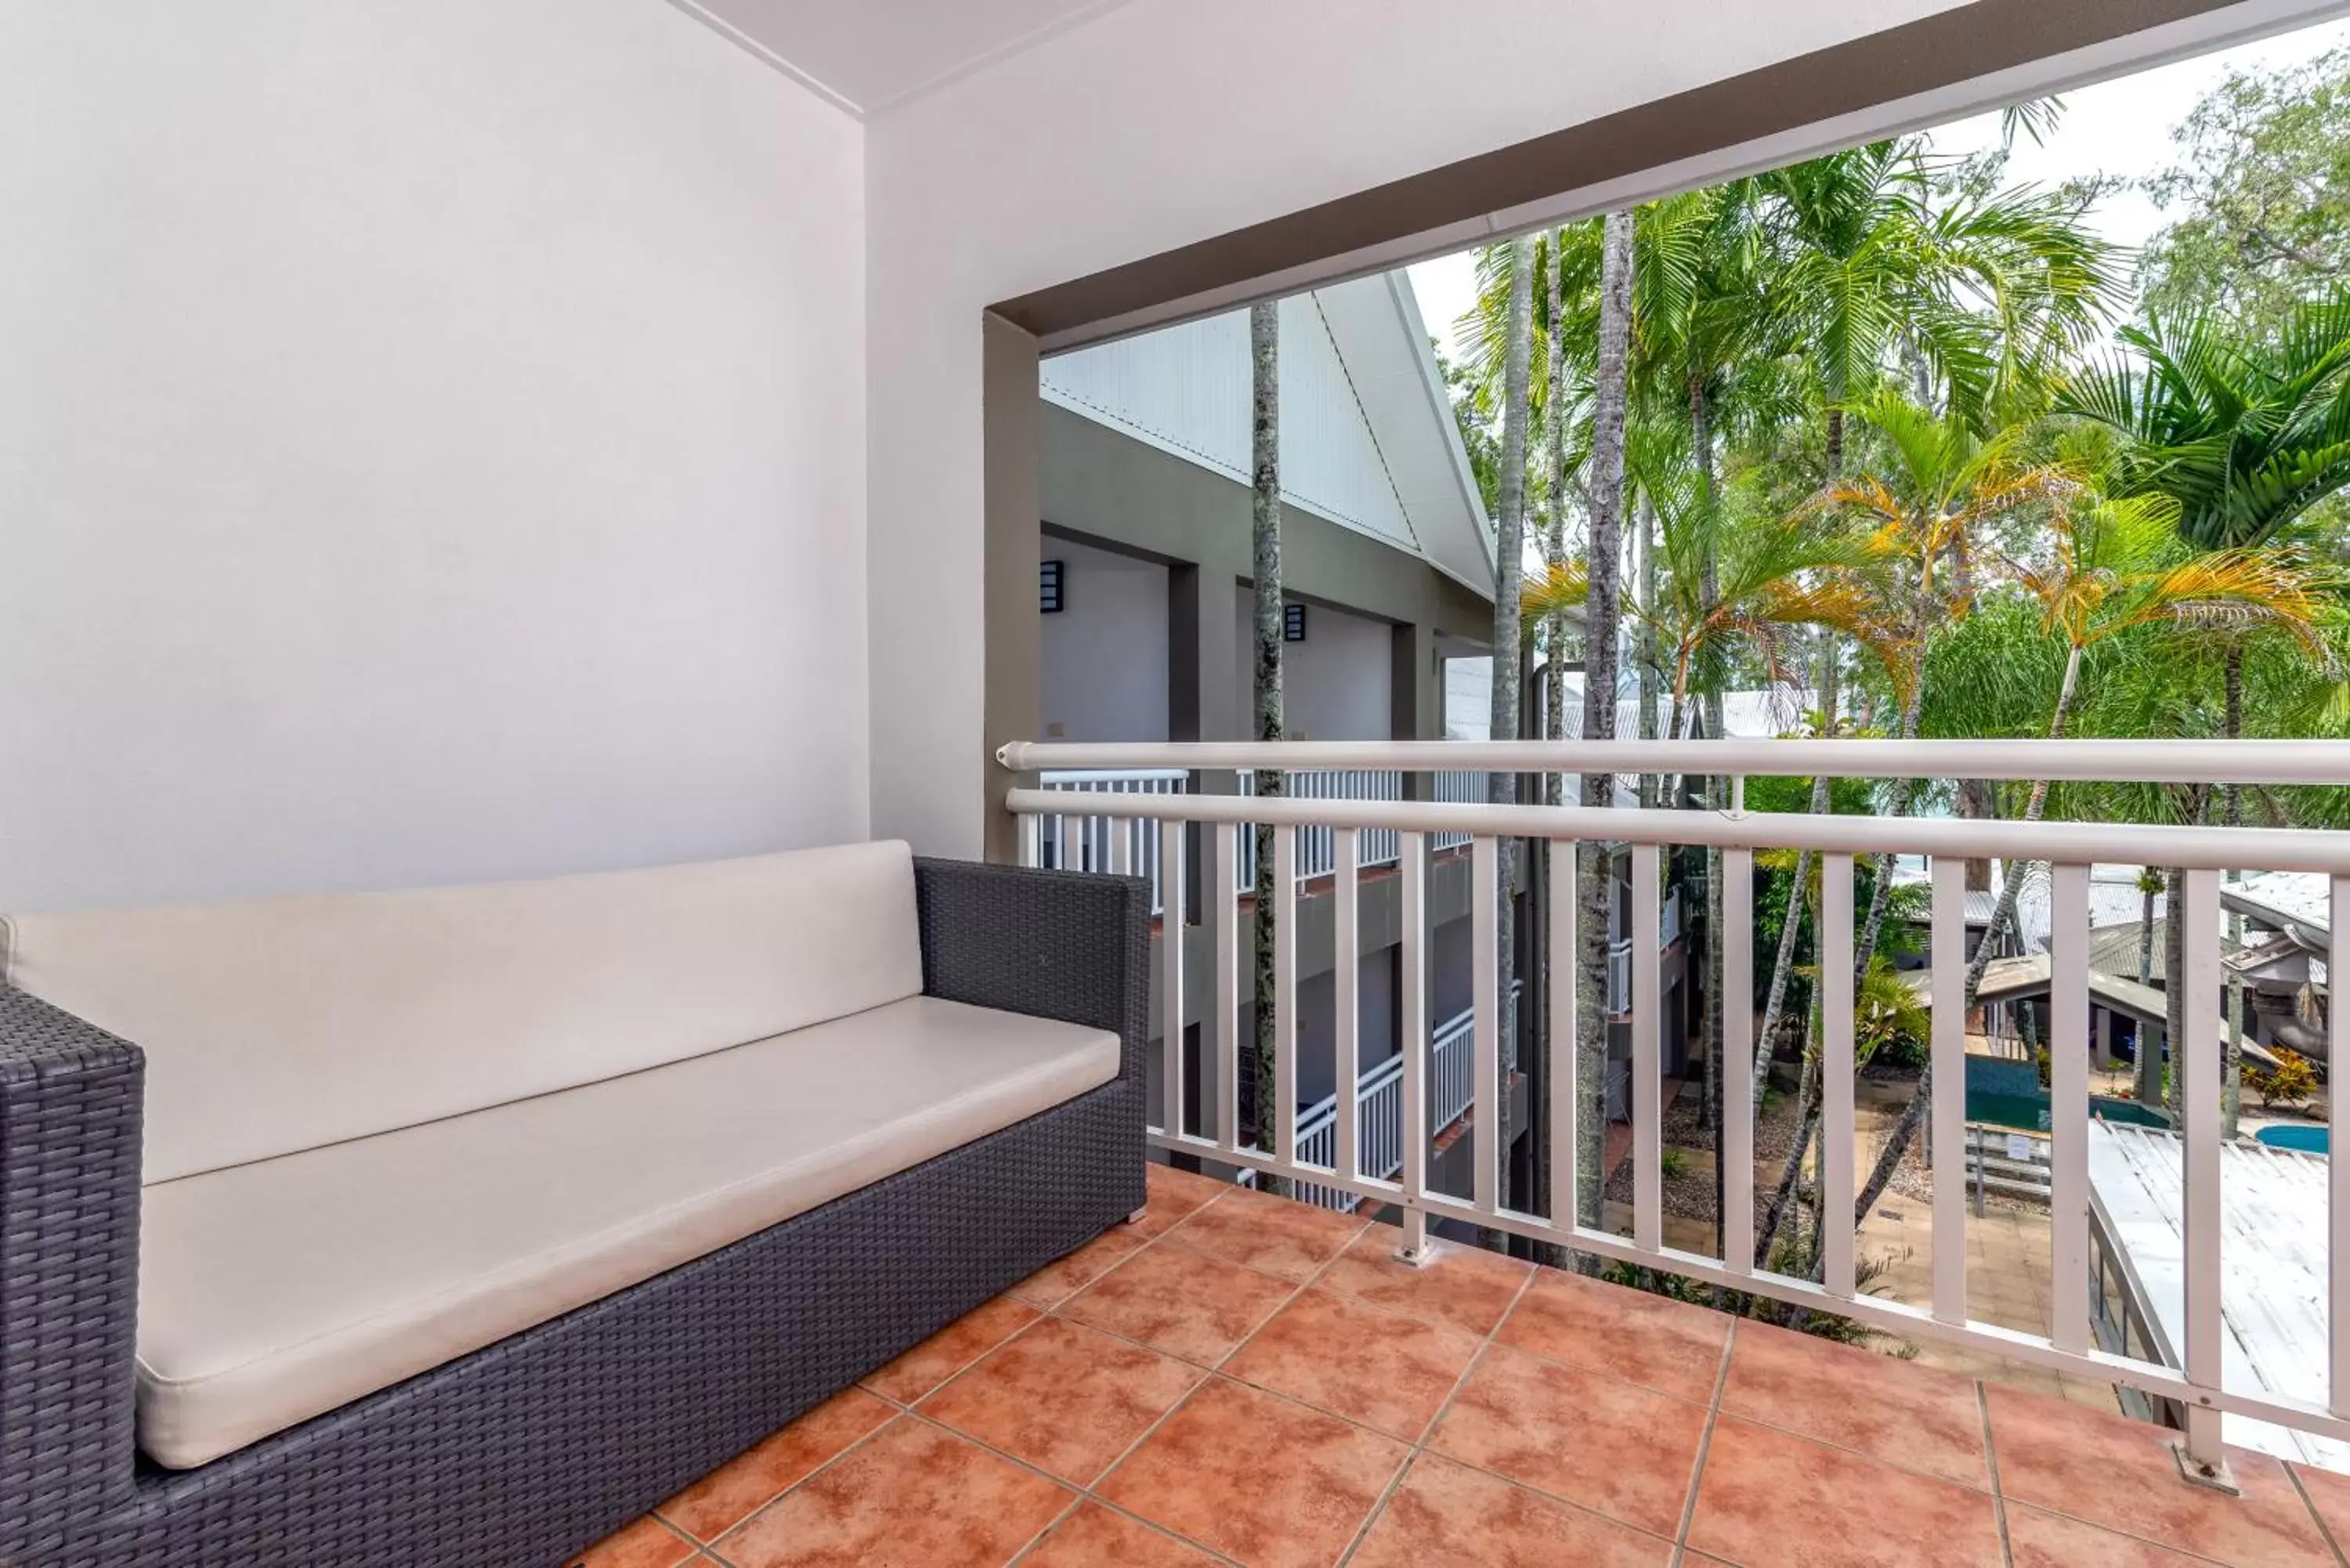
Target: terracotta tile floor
x,y
1243,1380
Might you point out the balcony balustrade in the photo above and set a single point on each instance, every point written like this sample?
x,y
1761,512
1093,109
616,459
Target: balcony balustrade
x,y
1354,1157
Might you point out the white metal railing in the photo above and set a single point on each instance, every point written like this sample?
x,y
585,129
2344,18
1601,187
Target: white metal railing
x,y
1314,852
1378,1103
1456,788
1123,844
2198,1385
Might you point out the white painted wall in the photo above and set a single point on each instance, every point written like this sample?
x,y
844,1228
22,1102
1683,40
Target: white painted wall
x,y
1336,685
435,448
1151,126
1095,148
1103,674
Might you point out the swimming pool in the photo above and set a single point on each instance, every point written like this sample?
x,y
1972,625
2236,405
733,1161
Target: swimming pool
x,y
2308,1141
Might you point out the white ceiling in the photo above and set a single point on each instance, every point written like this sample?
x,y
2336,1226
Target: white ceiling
x,y
871,53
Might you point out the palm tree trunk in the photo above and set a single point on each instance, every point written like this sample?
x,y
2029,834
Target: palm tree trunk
x,y
1913,1116
1602,611
1764,1043
1264,517
1712,975
1904,792
1554,546
1509,569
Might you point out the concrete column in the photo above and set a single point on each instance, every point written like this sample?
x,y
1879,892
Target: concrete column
x,y
2101,1046
1202,656
1416,699
1011,704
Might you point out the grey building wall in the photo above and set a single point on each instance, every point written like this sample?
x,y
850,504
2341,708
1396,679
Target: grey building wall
x,y
1106,489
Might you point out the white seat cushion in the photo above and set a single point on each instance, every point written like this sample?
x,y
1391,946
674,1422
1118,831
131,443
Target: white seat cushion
x,y
272,1292
277,1025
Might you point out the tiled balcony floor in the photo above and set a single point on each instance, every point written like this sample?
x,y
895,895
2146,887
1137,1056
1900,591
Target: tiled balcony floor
x,y
1242,1379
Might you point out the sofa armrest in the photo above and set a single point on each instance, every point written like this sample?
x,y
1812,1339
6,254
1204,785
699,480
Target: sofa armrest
x,y
70,1152
1069,945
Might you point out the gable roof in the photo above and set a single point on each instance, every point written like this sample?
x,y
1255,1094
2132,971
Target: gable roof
x,y
1367,436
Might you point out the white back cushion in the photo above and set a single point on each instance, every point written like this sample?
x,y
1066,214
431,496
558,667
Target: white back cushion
x,y
276,1024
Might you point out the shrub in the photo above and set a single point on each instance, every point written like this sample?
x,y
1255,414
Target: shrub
x,y
2292,1081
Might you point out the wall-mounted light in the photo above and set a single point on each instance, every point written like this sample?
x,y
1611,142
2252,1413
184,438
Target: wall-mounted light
x,y
1048,588
1293,623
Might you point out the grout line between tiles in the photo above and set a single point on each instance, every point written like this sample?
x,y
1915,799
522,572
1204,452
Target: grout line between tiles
x,y
1418,1446
1704,1444
2293,1473
1991,1458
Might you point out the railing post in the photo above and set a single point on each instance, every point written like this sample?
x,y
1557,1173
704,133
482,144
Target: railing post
x,y
2203,1458
1836,1127
1412,1033
1345,985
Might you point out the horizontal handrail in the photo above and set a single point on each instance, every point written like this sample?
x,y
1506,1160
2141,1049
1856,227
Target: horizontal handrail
x,y
1617,1072
2134,843
2157,762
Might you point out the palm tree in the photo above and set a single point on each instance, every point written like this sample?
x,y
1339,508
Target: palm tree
x,y
1601,623
1509,571
1946,487
1863,264
1264,517
2115,567
2244,436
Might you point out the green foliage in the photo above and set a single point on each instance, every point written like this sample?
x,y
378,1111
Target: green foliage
x,y
2263,192
2243,432
2290,1083
1672,1162
1890,1021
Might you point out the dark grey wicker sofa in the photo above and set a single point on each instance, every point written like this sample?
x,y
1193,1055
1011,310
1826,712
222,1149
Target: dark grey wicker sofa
x,y
522,1451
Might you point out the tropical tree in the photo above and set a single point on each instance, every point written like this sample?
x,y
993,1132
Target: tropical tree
x,y
2262,186
2114,568
1874,267
1509,570
1265,521
2245,435
1602,619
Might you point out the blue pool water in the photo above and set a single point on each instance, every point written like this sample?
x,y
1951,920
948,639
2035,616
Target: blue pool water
x,y
2309,1140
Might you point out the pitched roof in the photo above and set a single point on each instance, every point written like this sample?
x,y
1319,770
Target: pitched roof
x,y
2274,1268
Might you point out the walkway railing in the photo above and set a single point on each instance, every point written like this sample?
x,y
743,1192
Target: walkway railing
x,y
1567,1216
1379,1100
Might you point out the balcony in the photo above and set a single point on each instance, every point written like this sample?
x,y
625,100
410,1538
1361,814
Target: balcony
x,y
1553,1111
1242,1379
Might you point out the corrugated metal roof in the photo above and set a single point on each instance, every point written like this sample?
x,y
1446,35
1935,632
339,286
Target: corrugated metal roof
x,y
2272,1266
2113,949
2299,898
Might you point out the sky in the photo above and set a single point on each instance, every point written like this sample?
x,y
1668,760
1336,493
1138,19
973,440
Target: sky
x,y
2120,126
